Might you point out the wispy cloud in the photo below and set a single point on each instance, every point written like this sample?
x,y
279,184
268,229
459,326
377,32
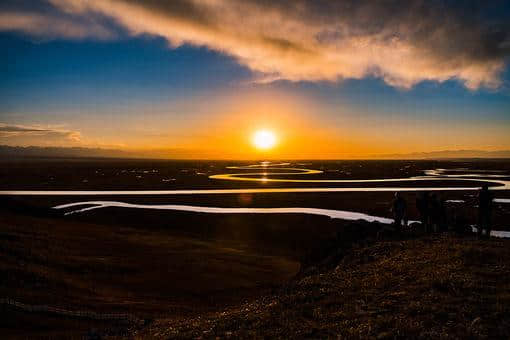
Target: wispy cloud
x,y
52,26
402,42
25,134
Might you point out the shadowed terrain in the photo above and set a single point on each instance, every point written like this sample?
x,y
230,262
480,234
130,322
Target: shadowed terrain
x,y
430,287
146,273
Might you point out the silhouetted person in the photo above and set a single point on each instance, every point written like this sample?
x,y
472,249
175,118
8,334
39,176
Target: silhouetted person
x,y
484,211
443,215
422,204
435,213
399,210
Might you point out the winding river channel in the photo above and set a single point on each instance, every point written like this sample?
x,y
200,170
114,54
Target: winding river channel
x,y
266,170
266,173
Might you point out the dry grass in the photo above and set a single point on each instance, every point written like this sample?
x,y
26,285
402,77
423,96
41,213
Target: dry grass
x,y
432,287
80,266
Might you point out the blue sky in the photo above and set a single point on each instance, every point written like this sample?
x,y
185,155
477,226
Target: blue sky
x,y
61,74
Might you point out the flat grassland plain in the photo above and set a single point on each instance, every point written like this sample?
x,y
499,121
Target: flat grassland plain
x,y
116,269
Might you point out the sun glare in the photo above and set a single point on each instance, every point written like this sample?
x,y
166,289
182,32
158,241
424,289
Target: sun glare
x,y
264,139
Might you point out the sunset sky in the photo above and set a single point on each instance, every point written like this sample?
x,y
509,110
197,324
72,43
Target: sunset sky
x,y
198,78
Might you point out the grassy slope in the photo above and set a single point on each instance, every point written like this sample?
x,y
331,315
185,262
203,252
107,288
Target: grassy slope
x,y
148,273
441,286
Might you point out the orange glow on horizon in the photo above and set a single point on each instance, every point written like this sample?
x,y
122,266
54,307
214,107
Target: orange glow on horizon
x,y
232,119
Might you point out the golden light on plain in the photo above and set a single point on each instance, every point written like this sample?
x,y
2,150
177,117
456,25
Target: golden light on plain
x,y
264,139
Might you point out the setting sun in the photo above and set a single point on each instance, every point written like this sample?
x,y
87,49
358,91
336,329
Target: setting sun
x,y
264,139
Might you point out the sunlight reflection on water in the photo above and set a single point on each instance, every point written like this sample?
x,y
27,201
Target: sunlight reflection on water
x,y
479,176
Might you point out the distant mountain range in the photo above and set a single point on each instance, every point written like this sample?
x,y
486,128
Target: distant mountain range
x,y
37,151
51,152
449,154
7,151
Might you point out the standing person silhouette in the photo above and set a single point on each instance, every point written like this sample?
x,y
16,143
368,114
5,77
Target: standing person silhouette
x,y
443,214
422,204
434,213
399,210
484,211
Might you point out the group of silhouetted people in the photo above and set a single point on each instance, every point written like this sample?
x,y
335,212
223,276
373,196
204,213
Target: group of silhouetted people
x,y
433,214
485,199
432,210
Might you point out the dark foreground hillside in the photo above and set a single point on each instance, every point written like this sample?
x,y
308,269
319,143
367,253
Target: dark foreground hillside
x,y
430,287
115,273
